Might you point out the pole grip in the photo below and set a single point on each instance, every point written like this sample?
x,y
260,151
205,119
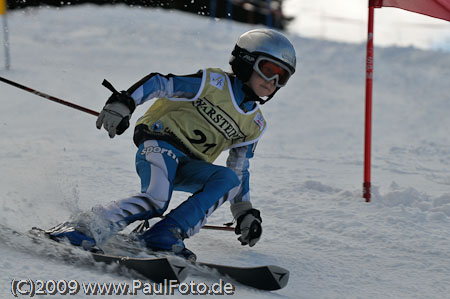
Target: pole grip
x,y
108,85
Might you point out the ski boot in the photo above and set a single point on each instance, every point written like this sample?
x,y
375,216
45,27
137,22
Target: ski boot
x,y
76,237
167,236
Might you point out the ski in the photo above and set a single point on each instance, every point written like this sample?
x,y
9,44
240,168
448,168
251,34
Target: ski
x,y
160,269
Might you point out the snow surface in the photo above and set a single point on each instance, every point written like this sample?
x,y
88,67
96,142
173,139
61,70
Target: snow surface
x,y
306,177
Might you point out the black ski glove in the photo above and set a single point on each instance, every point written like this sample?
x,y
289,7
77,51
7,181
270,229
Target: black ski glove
x,y
115,116
248,223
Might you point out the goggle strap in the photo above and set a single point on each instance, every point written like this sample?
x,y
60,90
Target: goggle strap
x,y
244,55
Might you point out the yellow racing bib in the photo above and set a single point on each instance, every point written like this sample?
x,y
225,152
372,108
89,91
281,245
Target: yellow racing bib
x,y
210,122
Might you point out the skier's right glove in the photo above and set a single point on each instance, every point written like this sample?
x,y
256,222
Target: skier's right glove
x,y
248,223
115,116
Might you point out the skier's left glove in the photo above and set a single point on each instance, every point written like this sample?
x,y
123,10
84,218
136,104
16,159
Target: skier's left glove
x,y
115,116
248,223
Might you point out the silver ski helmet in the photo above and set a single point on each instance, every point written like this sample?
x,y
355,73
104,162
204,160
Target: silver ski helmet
x,y
261,42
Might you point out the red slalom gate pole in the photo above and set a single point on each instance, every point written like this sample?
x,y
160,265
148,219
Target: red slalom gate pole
x,y
49,97
368,116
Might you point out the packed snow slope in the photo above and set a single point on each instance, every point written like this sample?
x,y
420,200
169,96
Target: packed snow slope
x,y
306,176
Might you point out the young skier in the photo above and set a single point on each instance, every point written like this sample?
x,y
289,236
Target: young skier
x,y
194,119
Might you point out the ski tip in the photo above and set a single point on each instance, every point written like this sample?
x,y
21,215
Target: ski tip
x,y
179,266
280,275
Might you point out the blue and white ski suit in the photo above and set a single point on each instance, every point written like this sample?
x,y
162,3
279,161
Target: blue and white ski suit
x,y
163,165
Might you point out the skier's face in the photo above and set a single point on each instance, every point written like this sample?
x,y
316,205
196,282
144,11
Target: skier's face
x,y
261,87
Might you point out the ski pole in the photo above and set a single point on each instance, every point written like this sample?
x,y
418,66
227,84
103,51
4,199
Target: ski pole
x,y
217,227
145,225
49,97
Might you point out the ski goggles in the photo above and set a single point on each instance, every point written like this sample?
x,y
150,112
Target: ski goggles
x,y
270,69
